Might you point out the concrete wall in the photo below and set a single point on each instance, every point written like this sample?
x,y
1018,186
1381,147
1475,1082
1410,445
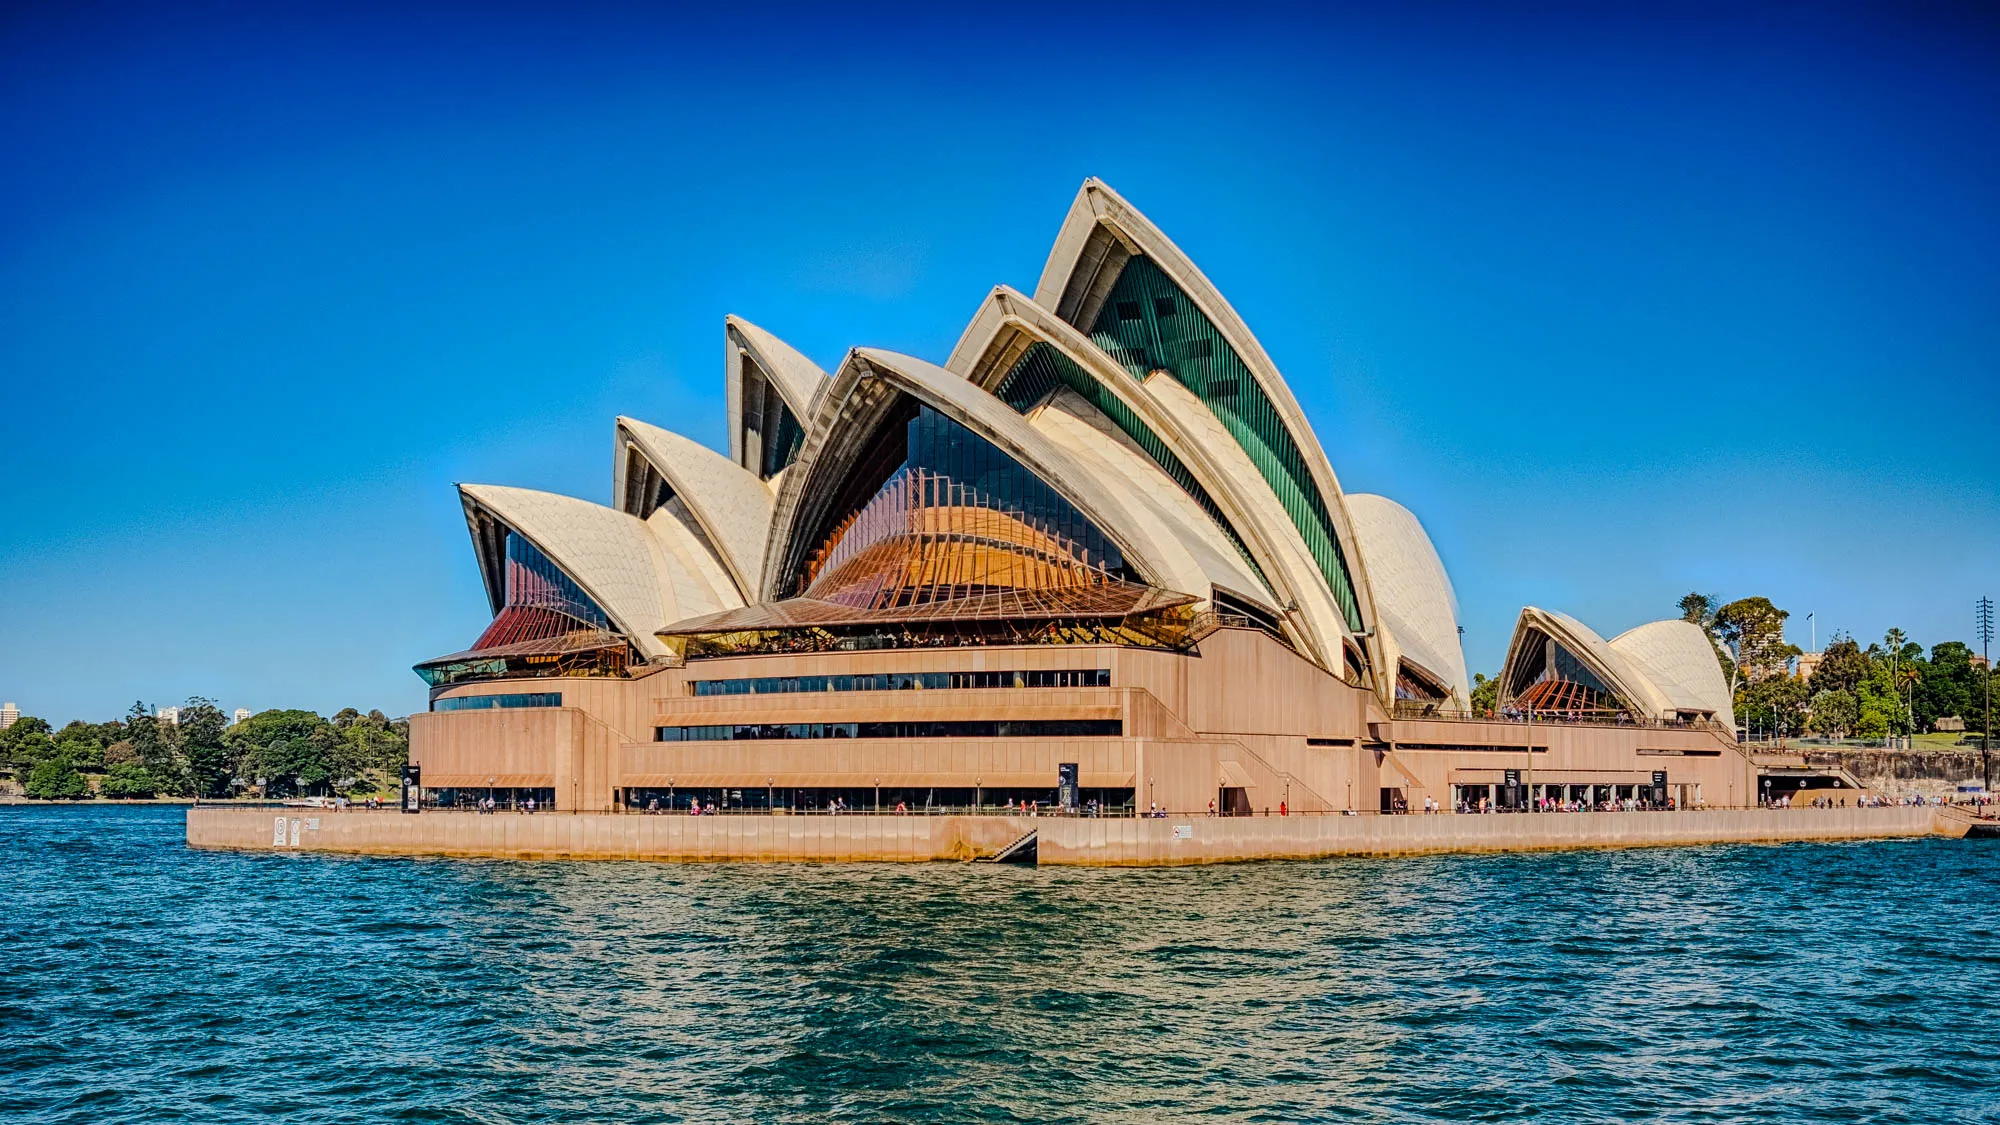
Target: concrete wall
x,y
1241,711
1113,842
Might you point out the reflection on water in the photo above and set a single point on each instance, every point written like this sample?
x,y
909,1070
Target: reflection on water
x,y
146,982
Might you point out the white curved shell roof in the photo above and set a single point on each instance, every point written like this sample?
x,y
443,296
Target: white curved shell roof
x,y
1098,235
640,581
1413,596
1679,659
1156,506
1658,667
729,504
852,407
798,380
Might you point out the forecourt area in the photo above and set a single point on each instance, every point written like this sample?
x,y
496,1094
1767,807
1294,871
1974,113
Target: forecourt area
x,y
1097,561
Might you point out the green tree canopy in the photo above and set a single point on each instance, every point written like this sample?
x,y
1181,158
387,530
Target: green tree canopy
x,y
55,780
1834,712
128,781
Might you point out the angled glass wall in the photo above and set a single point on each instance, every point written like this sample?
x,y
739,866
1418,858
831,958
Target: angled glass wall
x,y
957,519
1148,324
783,437
548,626
1551,680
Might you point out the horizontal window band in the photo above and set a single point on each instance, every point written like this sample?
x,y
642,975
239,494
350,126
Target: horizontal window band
x,y
485,702
964,728
906,681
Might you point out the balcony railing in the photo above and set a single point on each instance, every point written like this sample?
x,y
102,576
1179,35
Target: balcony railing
x,y
1416,709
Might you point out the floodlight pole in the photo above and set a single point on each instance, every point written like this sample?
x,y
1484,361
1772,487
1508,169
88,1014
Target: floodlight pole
x,y
1983,616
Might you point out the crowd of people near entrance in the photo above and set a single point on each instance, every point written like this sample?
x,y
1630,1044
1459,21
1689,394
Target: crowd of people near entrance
x,y
1564,805
1979,802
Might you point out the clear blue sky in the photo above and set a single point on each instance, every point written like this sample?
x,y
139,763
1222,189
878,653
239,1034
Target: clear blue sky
x,y
1620,307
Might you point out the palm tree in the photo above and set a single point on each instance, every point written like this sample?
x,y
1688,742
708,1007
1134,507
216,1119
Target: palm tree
x,y
1906,680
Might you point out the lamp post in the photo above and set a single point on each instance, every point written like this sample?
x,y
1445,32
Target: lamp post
x,y
878,794
1530,775
771,794
978,785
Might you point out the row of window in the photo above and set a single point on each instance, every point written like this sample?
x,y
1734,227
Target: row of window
x,y
974,728
906,681
483,702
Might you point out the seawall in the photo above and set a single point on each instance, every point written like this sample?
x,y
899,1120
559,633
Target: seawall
x,y
1110,842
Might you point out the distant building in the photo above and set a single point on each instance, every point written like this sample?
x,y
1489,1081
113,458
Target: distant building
x,y
1949,723
1808,663
169,715
9,715
242,713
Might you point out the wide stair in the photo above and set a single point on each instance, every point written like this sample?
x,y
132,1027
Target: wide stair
x,y
1023,850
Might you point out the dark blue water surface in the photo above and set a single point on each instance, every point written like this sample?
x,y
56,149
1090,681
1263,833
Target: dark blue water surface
x,y
141,981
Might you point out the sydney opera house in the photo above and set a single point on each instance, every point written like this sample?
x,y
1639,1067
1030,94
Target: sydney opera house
x,y
1098,559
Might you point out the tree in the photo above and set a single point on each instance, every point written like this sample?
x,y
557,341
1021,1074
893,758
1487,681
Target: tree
x,y
1485,697
1950,686
293,751
1753,630
1776,704
11,738
34,748
1834,712
54,779
158,747
1841,668
128,781
80,743
200,730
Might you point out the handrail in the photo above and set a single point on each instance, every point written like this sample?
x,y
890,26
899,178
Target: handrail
x,y
1414,709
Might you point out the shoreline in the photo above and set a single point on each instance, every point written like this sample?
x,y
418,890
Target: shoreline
x,y
1061,841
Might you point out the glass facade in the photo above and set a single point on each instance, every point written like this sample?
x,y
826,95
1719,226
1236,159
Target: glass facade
x,y
782,440
547,626
972,728
958,518
905,681
1148,324
1553,680
487,702
535,581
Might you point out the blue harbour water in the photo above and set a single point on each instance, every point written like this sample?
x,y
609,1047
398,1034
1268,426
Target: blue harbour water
x,y
141,981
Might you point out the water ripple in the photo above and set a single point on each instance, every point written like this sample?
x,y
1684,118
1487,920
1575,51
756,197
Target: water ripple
x,y
144,982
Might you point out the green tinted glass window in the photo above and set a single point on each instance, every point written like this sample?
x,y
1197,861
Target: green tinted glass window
x,y
1148,324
